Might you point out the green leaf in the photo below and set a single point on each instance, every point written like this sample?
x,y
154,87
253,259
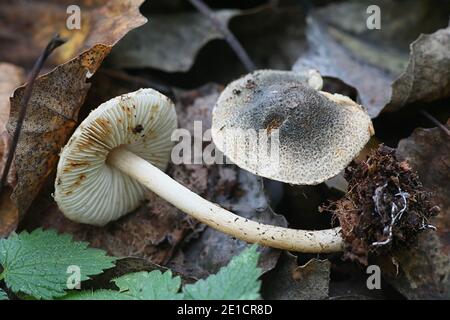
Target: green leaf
x,y
38,263
237,281
137,286
3,295
150,285
97,295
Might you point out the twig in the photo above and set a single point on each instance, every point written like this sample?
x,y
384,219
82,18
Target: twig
x,y
435,121
54,43
229,36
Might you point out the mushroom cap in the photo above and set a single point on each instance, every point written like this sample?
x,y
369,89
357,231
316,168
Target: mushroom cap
x,y
303,136
90,191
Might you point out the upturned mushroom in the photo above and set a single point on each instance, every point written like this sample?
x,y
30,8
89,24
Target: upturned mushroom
x,y
317,133
122,148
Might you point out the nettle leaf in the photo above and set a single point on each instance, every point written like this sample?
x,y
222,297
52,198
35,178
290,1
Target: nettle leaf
x,y
3,295
40,263
97,295
237,281
153,285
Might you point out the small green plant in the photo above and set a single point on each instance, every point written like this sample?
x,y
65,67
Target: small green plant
x,y
237,281
36,264
3,295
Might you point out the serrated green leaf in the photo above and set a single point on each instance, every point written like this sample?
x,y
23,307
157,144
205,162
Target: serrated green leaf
x,y
37,263
97,295
3,295
137,286
237,281
150,285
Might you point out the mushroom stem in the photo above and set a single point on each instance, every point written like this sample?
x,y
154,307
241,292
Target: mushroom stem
x,y
218,218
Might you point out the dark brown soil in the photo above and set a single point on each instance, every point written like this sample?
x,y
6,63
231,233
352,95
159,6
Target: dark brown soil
x,y
385,206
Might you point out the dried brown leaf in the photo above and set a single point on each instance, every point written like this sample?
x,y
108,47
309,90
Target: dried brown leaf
x,y
23,35
375,62
11,77
169,42
58,95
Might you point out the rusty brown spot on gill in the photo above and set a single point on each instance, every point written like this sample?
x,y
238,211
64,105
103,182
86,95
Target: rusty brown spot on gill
x,y
78,181
104,124
74,164
97,131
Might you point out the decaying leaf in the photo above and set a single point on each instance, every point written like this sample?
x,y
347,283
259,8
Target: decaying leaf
x,y
288,281
230,187
273,37
424,271
101,21
11,77
375,62
169,42
57,96
427,77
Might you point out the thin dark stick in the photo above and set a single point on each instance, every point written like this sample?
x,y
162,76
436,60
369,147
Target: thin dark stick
x,y
54,43
229,37
435,121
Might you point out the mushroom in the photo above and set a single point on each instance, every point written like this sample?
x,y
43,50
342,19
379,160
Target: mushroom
x,y
122,147
318,133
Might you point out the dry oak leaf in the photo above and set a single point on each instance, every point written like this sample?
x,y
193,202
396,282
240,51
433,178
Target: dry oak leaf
x,y
11,77
57,97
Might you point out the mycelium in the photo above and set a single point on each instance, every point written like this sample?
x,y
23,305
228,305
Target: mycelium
x,y
122,148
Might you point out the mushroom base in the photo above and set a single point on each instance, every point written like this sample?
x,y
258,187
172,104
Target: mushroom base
x,y
385,207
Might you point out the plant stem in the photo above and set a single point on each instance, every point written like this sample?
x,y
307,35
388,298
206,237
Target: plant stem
x,y
219,218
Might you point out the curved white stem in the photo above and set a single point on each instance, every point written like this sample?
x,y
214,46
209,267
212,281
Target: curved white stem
x,y
219,218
